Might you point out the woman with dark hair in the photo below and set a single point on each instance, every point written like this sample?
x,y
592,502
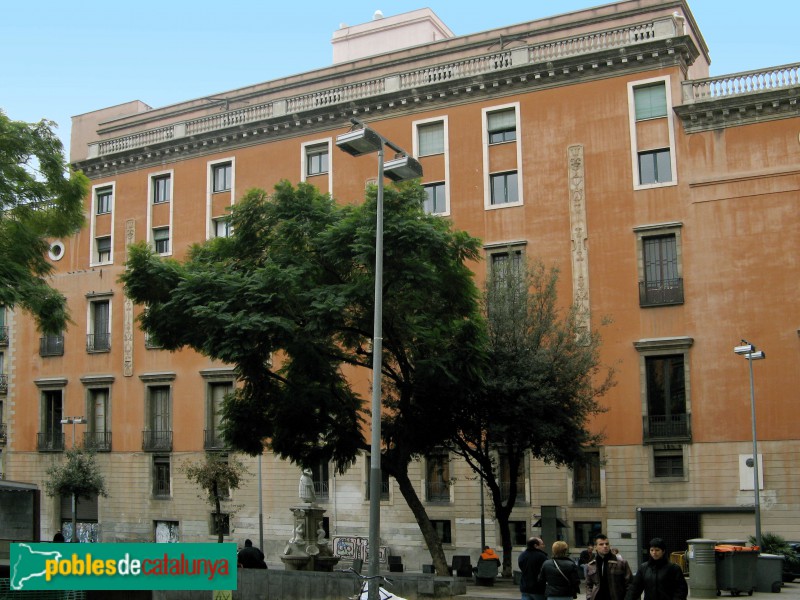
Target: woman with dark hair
x,y
658,578
560,574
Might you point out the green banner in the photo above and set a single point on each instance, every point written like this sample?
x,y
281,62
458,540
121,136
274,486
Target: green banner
x,y
123,566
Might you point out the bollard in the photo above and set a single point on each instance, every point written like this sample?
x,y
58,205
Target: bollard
x,y
702,568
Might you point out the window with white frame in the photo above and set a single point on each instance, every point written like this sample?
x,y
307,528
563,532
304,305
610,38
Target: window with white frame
x,y
655,166
317,159
430,138
222,174
502,126
161,240
103,245
650,101
98,337
162,188
436,198
103,198
222,227
503,187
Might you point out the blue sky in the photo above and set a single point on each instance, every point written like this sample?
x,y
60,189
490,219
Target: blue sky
x,y
60,59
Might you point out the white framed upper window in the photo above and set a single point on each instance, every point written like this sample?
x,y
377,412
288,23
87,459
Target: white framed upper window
x,y
222,177
430,138
501,126
650,101
650,107
101,230
436,198
222,227
317,159
502,186
103,245
161,240
161,188
104,200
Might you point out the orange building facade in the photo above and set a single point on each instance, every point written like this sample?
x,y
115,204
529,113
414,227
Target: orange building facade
x,y
594,141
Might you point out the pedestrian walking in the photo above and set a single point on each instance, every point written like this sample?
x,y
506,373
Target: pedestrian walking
x,y
585,556
560,574
530,563
607,577
658,578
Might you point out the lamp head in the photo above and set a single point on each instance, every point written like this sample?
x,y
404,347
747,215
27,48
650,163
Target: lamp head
x,y
744,349
760,355
359,142
402,168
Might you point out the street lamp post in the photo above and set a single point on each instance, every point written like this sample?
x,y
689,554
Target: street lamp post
x,y
361,140
74,421
749,352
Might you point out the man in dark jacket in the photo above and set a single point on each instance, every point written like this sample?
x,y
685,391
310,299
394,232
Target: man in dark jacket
x,y
658,578
251,557
530,563
607,578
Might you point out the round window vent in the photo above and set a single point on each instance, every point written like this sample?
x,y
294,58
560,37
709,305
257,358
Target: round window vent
x,y
56,251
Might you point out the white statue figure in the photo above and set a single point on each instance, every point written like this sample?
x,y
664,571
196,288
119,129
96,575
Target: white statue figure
x,y
321,536
307,487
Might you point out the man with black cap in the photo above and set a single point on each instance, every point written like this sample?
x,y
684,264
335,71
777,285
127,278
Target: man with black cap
x,y
658,578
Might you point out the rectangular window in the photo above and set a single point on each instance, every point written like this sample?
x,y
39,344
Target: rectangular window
x,y
222,227
161,189
585,532
166,532
161,476
98,433
505,267
666,397
504,188
586,479
317,160
437,478
431,138
667,463
650,101
99,336
158,435
103,249
435,202
502,126
443,530
51,436
321,478
51,345
219,521
384,481
222,177
216,396
655,166
518,533
161,240
662,283
104,196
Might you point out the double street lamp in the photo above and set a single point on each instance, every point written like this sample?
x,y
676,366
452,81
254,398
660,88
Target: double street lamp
x,y
74,421
361,140
749,352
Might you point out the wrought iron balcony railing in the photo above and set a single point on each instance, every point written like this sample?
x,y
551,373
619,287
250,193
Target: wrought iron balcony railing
x,y
586,493
157,441
97,440
51,345
3,383
321,490
50,441
212,440
667,427
4,335
437,491
659,293
98,342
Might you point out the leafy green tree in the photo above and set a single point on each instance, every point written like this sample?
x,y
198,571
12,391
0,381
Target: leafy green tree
x,y
39,200
541,386
296,282
217,476
78,477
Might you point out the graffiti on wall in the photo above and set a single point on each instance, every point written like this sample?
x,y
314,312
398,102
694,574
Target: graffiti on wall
x,y
353,547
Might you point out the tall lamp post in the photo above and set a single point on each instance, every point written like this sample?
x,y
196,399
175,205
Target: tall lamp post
x,y
361,140
74,421
749,352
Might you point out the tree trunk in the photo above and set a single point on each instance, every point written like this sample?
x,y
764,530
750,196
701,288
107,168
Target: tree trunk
x,y
218,515
426,527
74,518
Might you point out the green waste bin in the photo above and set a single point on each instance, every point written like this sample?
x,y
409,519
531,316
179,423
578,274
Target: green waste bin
x,y
736,569
769,573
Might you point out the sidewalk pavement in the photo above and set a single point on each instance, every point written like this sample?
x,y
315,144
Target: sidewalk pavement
x,y
505,589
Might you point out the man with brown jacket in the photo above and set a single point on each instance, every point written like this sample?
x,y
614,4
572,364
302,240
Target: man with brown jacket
x,y
607,578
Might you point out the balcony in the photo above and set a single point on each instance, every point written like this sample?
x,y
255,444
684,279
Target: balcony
x,y
50,441
51,345
437,491
155,441
98,342
3,433
661,293
667,428
3,335
212,440
99,441
321,490
3,383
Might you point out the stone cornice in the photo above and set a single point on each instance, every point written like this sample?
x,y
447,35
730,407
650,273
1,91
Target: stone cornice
x,y
328,110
